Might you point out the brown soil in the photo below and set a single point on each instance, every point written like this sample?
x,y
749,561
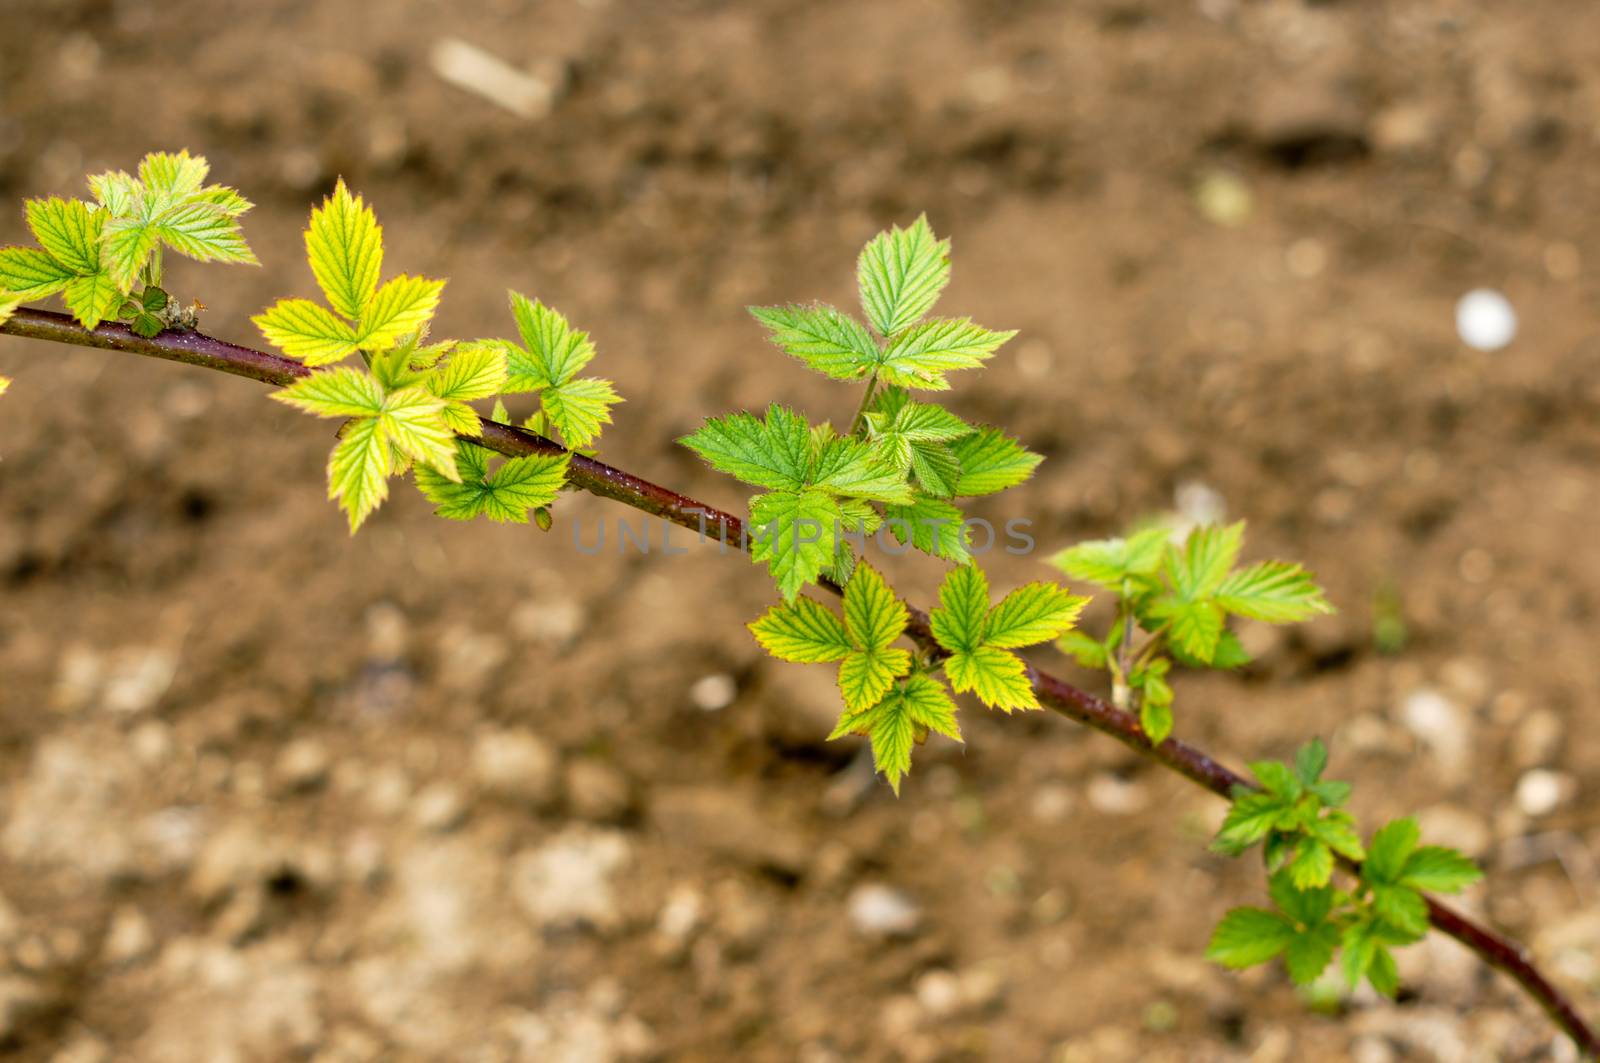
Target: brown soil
x,y
443,792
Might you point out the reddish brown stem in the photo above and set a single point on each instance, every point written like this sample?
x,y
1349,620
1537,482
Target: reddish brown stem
x,y
601,479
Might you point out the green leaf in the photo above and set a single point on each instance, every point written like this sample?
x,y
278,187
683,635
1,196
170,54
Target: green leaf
x,y
991,462
1312,864
920,356
1034,613
579,408
27,273
69,231
1155,718
958,622
1391,848
92,298
901,273
1337,830
555,350
401,308
116,191
936,467
1402,908
1277,779
866,676
1198,570
848,466
305,331
1248,936
933,526
475,371
1307,907
1250,818
895,724
998,678
8,306
831,342
802,631
173,173
411,421
1434,867
796,535
201,231
873,616
1310,761
1309,954
1108,562
1277,592
345,247
1085,649
774,453
1195,627
358,469
341,392
518,486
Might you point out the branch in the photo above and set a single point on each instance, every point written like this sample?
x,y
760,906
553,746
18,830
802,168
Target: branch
x,y
598,478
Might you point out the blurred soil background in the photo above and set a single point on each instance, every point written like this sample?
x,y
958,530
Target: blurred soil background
x,y
459,793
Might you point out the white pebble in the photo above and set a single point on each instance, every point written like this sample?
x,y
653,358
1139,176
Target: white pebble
x,y
879,911
713,692
1485,319
1541,791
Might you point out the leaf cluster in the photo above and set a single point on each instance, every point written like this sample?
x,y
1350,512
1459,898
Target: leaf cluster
x,y
904,463
1174,601
1295,815
104,257
410,406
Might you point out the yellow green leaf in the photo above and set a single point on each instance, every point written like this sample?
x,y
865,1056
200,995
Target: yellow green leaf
x,y
397,310
345,247
304,330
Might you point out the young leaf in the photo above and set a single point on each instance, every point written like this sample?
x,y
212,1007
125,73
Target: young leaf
x,y
991,461
998,678
345,246
399,309
555,350
1442,870
963,607
802,631
1248,936
341,392
358,469
920,356
475,371
69,231
507,495
901,273
894,725
1198,570
1109,562
173,173
1086,650
874,618
1037,612
27,273
796,535
831,342
848,466
578,408
774,453
92,298
412,422
1277,592
305,331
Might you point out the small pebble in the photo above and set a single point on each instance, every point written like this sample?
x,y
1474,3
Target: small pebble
x,y
882,911
1115,796
713,692
1541,791
1485,320
439,807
